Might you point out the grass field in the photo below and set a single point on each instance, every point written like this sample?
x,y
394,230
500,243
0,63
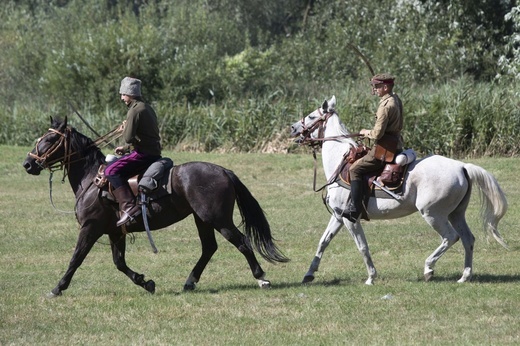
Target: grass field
x,y
103,307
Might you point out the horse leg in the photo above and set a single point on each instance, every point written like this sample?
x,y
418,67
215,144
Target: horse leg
x,y
231,233
449,237
235,237
458,220
330,232
209,247
118,245
86,240
357,233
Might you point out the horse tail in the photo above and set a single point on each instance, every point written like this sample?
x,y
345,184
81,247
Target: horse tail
x,y
493,200
257,228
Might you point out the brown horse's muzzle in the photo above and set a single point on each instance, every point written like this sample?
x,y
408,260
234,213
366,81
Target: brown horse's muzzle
x,y
31,166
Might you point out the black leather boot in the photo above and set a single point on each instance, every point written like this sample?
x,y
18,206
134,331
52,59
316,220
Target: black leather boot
x,y
127,206
354,208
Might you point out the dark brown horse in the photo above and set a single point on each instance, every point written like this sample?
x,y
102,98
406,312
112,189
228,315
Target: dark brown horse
x,y
206,190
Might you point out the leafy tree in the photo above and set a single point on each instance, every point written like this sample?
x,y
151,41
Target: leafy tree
x,y
509,62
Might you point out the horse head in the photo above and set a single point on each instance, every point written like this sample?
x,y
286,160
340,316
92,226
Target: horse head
x,y
50,149
322,125
311,126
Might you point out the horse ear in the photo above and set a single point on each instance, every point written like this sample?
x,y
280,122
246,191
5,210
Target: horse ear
x,y
332,103
52,120
65,122
325,106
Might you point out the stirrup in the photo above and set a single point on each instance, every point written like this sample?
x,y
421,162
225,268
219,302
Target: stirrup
x,y
348,213
127,217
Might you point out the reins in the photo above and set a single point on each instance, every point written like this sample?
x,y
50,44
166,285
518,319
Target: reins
x,y
52,201
307,139
64,162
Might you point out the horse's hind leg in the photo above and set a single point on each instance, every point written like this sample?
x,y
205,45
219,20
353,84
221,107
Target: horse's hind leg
x,y
118,245
235,237
449,237
209,246
458,220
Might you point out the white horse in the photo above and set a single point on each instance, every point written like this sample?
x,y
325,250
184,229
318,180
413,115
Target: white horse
x,y
436,186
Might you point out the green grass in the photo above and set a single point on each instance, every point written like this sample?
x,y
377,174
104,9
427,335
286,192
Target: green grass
x,y
103,307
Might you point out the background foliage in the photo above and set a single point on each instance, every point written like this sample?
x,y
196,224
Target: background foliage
x,y
232,75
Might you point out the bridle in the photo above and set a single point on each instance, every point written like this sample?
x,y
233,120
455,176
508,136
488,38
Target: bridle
x,y
61,162
313,142
64,162
307,131
319,124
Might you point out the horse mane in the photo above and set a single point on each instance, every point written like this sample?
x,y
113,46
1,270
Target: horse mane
x,y
81,144
342,130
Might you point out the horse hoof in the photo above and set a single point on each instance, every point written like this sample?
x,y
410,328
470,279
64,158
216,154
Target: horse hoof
x,y
150,286
264,284
189,287
464,279
56,292
428,276
369,282
308,279
51,295
466,275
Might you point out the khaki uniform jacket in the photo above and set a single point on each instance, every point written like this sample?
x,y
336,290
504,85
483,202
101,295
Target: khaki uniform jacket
x,y
142,130
389,120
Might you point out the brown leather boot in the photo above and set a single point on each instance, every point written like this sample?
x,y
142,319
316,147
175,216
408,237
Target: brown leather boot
x,y
127,206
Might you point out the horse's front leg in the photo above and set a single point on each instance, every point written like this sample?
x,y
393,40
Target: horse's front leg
x,y
357,233
332,229
86,240
118,245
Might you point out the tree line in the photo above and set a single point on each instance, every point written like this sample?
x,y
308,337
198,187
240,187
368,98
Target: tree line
x,y
210,58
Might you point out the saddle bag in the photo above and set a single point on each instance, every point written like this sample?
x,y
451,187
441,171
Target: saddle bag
x,y
392,174
386,147
150,180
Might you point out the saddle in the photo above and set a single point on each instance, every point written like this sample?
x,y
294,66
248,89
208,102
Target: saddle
x,y
154,182
391,176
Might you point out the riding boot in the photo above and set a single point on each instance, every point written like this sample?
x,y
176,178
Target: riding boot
x,y
127,206
355,206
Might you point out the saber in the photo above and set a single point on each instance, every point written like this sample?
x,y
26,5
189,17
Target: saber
x,y
363,57
145,221
90,127
379,185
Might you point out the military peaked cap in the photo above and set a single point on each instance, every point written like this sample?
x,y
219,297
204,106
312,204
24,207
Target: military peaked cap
x,y
383,78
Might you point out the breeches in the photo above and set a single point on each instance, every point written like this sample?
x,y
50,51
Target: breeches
x,y
127,166
366,164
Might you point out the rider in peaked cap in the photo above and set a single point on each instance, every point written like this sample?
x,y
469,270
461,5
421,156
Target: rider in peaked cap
x,y
386,136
